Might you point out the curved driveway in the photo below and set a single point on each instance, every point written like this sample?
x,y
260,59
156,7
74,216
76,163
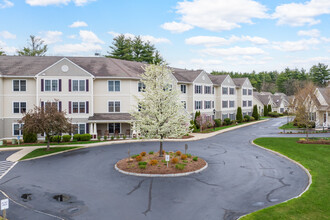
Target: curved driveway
x,y
240,179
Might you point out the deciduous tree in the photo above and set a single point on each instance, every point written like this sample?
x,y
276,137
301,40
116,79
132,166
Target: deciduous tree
x,y
36,47
2,53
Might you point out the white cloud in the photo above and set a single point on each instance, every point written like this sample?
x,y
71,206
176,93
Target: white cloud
x,y
78,24
89,43
57,2
72,36
150,38
312,61
309,33
210,41
51,37
216,15
6,4
176,27
292,46
325,39
233,51
299,14
8,50
7,35
204,62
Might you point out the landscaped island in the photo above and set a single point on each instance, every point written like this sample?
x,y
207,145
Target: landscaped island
x,y
152,163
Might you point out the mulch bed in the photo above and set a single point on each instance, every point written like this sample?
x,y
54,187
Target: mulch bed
x,y
161,167
315,142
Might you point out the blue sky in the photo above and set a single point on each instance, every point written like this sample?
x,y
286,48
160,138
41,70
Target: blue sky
x,y
235,35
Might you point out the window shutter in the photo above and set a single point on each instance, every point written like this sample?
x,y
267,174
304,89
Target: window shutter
x,y
69,107
87,84
42,85
87,128
69,85
59,106
87,107
60,85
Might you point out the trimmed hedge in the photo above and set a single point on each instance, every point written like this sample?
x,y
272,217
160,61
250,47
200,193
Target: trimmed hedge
x,y
76,137
217,122
227,121
85,137
30,137
66,138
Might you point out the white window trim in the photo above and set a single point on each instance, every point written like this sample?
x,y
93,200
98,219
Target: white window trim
x,y
78,107
20,131
78,85
201,103
114,85
229,91
224,93
79,127
185,90
114,107
20,110
137,86
51,86
201,89
19,86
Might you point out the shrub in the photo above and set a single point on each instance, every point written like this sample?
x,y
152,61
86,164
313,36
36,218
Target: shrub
x,y
217,122
247,117
302,139
189,155
269,108
153,162
112,138
143,154
138,158
180,166
239,115
252,119
265,110
99,138
183,157
273,114
29,137
117,137
185,161
174,160
255,113
85,137
227,121
142,166
195,158
77,137
4,142
178,153
197,114
142,163
73,140
56,138
66,138
134,156
124,137
151,152
192,126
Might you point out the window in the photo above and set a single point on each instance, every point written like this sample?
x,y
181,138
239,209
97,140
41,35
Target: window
x,y
198,105
183,88
281,110
244,103
48,104
114,128
51,85
250,91
224,116
212,104
198,89
184,103
224,104
207,104
79,129
78,107
19,107
114,86
244,91
141,87
212,89
19,85
17,129
225,90
231,104
232,91
114,106
232,116
78,85
249,103
207,89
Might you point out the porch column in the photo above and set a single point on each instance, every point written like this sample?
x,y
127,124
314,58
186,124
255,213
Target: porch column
x,y
95,129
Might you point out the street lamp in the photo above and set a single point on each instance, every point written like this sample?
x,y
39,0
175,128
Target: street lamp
x,y
213,119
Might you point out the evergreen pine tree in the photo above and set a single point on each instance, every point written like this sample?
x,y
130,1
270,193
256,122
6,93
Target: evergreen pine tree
x,y
265,110
239,115
121,48
198,113
269,108
255,113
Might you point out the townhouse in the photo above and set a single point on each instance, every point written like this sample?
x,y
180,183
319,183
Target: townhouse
x,y
320,112
98,94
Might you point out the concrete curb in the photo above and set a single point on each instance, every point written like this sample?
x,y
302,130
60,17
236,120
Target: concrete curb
x,y
50,154
301,166
161,175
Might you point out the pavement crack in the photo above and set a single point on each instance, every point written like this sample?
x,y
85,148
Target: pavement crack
x,y
10,180
136,187
265,168
149,199
273,190
202,181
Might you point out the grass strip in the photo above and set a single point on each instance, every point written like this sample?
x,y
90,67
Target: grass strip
x,y
313,204
42,151
52,144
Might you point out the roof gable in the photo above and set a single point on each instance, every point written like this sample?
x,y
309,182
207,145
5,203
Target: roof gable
x,y
203,78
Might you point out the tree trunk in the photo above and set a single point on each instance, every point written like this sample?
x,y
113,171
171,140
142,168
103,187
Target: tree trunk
x,y
48,142
161,148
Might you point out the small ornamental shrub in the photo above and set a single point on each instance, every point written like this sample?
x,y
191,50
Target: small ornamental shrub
x,y
153,162
247,117
66,138
73,140
151,152
185,161
273,114
178,153
180,166
255,113
239,115
85,137
142,167
105,137
112,138
134,156
4,142
29,137
195,158
124,137
143,154
188,155
138,158
117,137
217,122
183,157
227,121
163,151
174,160
77,137
252,119
99,138
142,163
302,139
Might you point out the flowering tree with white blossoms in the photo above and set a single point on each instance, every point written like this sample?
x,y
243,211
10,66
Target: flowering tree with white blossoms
x,y
160,113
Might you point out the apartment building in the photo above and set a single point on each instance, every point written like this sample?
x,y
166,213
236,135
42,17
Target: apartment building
x,y
99,93
244,95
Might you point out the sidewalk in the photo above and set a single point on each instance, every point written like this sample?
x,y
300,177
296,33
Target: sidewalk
x,y
197,136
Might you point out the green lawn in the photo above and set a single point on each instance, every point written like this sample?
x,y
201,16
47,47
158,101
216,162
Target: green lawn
x,y
52,143
42,152
289,126
313,204
209,130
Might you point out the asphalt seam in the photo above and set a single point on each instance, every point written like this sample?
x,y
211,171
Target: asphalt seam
x,y
295,162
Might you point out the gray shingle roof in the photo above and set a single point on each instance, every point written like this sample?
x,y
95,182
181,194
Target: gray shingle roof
x,y
264,99
326,94
217,79
239,81
277,100
110,117
183,75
